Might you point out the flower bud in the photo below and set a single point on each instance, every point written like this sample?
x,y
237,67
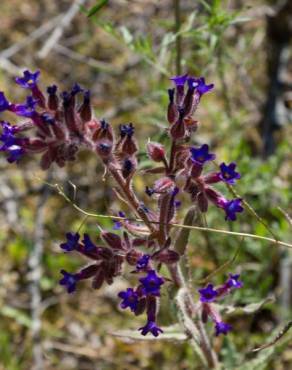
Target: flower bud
x,y
155,151
104,148
178,130
172,112
129,166
35,145
167,256
163,185
53,100
133,256
112,239
85,108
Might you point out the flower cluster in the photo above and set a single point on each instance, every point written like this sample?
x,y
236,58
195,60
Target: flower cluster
x,y
145,296
187,162
209,294
108,263
61,124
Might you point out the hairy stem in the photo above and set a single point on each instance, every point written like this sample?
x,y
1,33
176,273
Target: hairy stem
x,y
176,274
189,310
131,197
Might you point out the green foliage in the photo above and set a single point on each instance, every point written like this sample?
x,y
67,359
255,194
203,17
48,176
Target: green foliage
x,y
97,7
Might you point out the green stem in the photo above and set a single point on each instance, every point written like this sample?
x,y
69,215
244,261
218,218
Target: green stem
x,y
176,5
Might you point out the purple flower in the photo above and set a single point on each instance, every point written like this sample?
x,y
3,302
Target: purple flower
x,y
199,85
142,262
15,153
4,103
152,328
51,90
202,155
11,144
117,224
104,124
127,165
171,95
86,96
222,328
48,118
127,130
89,246
208,294
149,191
129,299
228,173
8,133
69,281
66,98
27,109
151,283
233,282
72,242
231,207
29,79
179,80
76,89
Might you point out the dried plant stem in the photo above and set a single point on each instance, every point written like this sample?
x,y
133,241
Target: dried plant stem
x,y
34,263
201,228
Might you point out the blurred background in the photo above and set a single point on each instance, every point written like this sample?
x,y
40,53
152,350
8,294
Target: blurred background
x,y
125,54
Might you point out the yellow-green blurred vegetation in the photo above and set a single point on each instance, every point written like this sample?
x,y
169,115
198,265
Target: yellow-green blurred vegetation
x,y
125,54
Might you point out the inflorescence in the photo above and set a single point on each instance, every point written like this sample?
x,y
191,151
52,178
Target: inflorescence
x,y
61,125
210,294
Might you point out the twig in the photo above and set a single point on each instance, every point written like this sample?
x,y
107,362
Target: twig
x,y
36,34
10,67
83,58
34,264
59,30
9,203
205,229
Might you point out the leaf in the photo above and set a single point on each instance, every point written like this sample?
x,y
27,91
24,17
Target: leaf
x,y
182,239
241,20
18,315
127,36
260,362
171,333
96,8
248,309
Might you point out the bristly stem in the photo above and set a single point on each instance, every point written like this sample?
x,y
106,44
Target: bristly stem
x,y
177,15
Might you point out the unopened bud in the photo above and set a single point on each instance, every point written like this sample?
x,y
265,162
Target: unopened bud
x,y
155,151
112,239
